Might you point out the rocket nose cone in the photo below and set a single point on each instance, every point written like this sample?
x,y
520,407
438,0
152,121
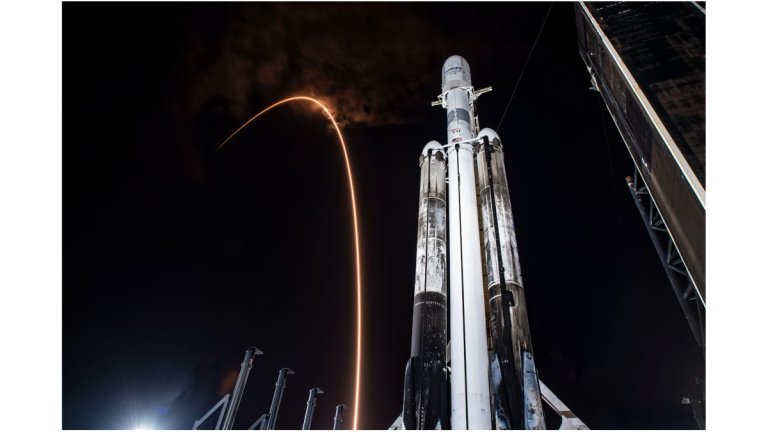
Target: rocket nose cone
x,y
454,59
456,73
434,146
490,133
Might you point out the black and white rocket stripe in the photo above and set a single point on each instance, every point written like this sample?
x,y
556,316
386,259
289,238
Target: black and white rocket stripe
x,y
425,401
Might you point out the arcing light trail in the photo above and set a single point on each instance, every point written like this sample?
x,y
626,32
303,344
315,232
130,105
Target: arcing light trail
x,y
354,220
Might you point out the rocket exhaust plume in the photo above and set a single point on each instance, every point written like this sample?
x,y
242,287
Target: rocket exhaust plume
x,y
355,409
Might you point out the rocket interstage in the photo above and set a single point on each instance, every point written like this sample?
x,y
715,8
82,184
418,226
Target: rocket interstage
x,y
426,380
489,388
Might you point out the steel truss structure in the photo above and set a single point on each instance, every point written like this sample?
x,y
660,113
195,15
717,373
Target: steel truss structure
x,y
677,273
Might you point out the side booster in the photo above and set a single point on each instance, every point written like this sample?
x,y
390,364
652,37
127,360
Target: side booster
x,y
515,381
425,399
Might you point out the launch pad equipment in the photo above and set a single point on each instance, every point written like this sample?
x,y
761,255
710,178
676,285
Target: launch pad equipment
x,y
568,420
652,79
222,403
267,421
230,403
337,420
237,394
311,402
492,377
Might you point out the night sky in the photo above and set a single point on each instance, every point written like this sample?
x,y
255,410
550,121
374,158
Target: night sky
x,y
177,259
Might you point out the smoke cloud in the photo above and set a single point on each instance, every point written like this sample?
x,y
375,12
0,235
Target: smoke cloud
x,y
372,63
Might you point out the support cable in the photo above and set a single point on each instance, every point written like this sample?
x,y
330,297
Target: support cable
x,y
519,78
619,224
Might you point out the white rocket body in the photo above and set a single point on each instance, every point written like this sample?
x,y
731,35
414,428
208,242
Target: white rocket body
x,y
475,165
470,388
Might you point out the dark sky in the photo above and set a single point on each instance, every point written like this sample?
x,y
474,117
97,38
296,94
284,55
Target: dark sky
x,y
176,259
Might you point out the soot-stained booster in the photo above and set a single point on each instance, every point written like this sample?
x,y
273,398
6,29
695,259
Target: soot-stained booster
x,y
425,402
492,377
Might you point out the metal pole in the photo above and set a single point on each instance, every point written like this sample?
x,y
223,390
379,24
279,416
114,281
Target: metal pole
x,y
277,398
237,394
310,407
337,417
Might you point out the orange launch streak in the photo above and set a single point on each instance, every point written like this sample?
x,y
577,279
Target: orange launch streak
x,y
357,237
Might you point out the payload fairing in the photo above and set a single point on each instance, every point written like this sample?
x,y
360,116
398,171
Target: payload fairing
x,y
492,378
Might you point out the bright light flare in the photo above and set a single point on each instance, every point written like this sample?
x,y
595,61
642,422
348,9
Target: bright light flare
x,y
354,220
